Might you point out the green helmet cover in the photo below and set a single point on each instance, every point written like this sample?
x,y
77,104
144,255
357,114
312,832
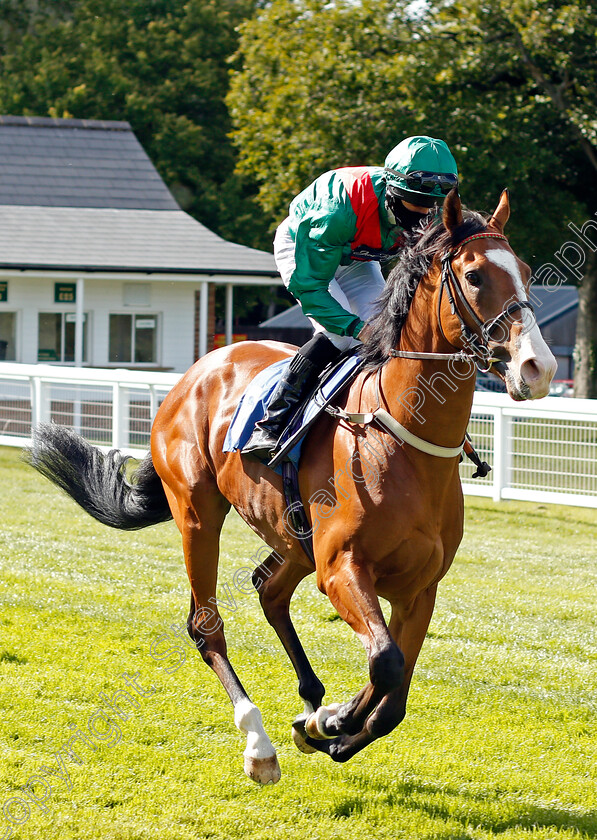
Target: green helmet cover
x,y
414,154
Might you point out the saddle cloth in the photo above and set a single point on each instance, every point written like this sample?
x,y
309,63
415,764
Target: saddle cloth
x,y
254,401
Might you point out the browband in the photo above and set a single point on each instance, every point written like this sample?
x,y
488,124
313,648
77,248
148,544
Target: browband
x,y
485,235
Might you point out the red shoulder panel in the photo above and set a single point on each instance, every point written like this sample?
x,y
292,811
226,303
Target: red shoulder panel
x,y
364,203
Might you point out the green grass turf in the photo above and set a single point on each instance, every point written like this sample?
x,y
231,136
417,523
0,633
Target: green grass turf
x,y
499,739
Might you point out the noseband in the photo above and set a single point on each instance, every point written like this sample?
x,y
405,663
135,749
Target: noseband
x,y
479,343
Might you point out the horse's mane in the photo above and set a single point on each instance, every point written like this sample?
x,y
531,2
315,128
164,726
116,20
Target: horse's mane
x,y
413,263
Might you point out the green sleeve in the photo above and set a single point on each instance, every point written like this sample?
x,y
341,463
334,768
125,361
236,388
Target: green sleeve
x,y
323,224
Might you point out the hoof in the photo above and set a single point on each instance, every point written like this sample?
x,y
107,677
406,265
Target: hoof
x,y
264,771
299,736
315,723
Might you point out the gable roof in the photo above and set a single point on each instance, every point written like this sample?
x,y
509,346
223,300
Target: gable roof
x,y
89,239
290,318
77,163
83,195
551,303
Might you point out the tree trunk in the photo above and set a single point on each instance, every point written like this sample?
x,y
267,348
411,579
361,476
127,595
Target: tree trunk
x,y
585,352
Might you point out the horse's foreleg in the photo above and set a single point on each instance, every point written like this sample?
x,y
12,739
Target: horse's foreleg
x,y
205,625
351,591
409,632
276,581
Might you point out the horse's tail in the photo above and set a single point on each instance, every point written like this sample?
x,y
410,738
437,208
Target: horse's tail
x,y
98,482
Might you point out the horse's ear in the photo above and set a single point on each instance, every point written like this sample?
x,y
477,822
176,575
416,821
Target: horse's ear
x,y
452,214
502,212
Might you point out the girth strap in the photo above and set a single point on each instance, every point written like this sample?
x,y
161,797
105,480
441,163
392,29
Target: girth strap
x,y
295,515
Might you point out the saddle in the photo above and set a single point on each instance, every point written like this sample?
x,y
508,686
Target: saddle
x,y
254,402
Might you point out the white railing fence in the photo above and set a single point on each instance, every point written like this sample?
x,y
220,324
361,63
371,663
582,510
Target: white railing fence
x,y
544,451
111,408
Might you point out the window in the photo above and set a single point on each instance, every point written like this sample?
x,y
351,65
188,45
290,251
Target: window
x,y
56,337
133,339
8,336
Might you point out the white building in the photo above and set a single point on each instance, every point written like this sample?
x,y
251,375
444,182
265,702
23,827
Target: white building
x,y
98,264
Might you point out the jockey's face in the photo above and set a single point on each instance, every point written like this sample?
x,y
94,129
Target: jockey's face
x,y
415,207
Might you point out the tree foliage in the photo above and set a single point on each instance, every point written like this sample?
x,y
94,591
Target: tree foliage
x,y
509,84
527,69
516,81
19,17
328,84
160,64
321,85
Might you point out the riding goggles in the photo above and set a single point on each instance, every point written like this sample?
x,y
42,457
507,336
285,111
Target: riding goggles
x,y
426,182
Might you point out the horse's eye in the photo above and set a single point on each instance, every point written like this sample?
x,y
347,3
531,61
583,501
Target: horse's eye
x,y
473,277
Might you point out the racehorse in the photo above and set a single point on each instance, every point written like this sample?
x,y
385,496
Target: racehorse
x,y
385,501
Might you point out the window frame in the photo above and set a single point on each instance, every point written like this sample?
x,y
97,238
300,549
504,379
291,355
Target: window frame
x,y
6,309
133,314
63,313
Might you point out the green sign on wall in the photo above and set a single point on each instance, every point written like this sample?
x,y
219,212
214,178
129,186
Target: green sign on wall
x,y
3,291
65,292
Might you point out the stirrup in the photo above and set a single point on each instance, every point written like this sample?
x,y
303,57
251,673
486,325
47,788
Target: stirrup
x,y
483,467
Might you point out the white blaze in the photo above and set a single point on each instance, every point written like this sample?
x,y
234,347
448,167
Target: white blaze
x,y
531,345
507,261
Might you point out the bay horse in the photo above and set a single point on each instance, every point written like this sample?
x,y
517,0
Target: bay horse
x,y
386,510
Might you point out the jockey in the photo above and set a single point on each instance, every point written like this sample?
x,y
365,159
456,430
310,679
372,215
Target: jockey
x,y
328,252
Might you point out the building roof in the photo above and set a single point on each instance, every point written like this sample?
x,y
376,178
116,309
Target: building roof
x,y
84,195
550,303
89,239
77,163
288,319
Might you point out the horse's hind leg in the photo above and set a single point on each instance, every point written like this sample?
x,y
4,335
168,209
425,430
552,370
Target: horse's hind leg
x,y
276,581
200,525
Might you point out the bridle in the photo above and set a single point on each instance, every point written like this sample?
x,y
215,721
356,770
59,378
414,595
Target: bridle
x,y
476,342
479,343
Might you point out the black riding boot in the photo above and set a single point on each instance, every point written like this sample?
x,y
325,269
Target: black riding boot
x,y
301,375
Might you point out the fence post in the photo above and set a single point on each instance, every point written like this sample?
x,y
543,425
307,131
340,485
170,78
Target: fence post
x,y
124,424
502,461
116,416
203,319
40,412
153,405
34,384
229,312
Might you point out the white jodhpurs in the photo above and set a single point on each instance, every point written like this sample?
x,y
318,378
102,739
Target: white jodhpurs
x,y
355,286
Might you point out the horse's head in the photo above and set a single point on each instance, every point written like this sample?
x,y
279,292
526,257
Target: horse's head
x,y
488,285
